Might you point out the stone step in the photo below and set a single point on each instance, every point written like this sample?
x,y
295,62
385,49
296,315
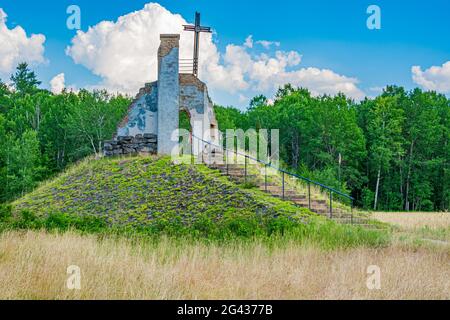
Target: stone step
x,y
313,206
314,202
324,212
277,189
230,165
236,172
298,198
239,175
287,194
233,170
302,201
218,166
269,184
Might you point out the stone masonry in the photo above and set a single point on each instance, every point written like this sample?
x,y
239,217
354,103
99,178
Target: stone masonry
x,y
168,93
146,143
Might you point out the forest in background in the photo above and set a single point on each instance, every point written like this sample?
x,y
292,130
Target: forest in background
x,y
390,153
41,133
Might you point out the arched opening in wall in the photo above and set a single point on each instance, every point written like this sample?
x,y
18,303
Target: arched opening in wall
x,y
185,130
185,120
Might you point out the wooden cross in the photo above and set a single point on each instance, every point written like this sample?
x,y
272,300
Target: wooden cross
x,y
197,28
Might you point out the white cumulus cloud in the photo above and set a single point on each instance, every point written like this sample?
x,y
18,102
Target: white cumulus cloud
x,y
267,44
124,54
436,78
249,42
266,73
17,47
58,83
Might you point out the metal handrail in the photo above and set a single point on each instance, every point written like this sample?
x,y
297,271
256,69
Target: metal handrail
x,y
283,171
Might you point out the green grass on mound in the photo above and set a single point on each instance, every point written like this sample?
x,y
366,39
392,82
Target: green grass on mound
x,y
138,191
153,196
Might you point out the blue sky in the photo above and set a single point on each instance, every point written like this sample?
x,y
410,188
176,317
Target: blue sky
x,y
328,34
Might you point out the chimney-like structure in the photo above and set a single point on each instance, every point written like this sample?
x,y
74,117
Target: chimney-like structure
x,y
168,93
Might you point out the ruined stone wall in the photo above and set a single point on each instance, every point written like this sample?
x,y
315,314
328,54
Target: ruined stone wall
x,y
153,116
194,99
168,93
142,114
129,145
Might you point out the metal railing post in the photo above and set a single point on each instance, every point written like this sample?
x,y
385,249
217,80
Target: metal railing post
x,y
201,150
265,178
351,210
309,195
331,204
224,158
192,151
283,184
245,170
209,154
228,164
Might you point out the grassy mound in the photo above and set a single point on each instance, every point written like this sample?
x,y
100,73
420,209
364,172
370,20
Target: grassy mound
x,y
154,196
141,190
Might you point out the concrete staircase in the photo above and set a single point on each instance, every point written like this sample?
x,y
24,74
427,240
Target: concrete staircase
x,y
254,177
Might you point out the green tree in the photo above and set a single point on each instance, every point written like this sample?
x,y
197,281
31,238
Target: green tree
x,y
94,119
284,91
257,101
23,168
4,97
229,118
394,149
385,139
3,155
39,134
25,80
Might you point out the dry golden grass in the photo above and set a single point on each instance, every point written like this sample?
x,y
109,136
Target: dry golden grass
x,y
431,227
413,220
33,265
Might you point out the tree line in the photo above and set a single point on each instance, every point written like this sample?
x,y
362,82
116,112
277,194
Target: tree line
x,y
391,152
41,133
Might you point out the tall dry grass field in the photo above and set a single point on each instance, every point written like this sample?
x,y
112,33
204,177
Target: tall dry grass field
x,y
33,265
432,227
413,220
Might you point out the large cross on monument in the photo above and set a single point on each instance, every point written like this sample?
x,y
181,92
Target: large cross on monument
x,y
197,28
